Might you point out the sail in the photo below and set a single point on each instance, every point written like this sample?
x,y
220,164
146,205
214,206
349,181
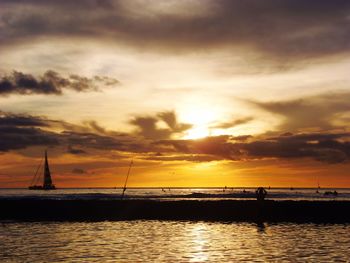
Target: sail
x,y
47,181
47,175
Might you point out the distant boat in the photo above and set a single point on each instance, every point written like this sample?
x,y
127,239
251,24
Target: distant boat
x,y
47,180
334,193
318,187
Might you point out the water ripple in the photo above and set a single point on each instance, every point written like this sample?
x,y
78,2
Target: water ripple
x,y
168,241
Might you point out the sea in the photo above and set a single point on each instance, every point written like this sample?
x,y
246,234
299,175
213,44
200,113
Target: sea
x,y
215,193
174,241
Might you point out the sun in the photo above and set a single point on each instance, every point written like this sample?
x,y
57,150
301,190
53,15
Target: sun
x,y
197,133
201,118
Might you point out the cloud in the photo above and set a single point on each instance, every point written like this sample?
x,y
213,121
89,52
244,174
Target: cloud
x,y
322,147
75,151
148,129
318,112
216,145
78,171
289,29
91,140
22,131
14,138
169,117
49,83
8,119
147,126
231,124
184,157
329,148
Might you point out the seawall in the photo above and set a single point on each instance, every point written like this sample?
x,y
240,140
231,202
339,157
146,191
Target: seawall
x,y
216,210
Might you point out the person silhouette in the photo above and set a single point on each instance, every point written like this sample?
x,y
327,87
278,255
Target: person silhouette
x,y
260,193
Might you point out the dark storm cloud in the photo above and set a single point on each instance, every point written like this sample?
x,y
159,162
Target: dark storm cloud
x,y
147,126
282,29
317,112
49,83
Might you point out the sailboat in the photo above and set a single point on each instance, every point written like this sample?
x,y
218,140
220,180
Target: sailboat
x,y
47,181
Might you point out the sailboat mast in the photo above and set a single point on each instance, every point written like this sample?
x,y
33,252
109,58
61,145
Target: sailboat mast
x,y
126,179
35,178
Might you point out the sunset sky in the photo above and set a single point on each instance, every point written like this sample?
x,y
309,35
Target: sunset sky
x,y
198,93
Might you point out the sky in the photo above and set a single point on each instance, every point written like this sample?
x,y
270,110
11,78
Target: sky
x,y
196,92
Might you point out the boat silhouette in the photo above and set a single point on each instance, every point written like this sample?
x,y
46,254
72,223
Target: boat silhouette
x,y
47,180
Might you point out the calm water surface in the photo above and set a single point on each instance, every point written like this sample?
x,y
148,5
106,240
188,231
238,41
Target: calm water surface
x,y
170,241
178,194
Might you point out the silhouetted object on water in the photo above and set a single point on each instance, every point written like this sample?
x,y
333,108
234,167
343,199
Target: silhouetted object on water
x,y
334,193
126,179
47,181
245,192
260,193
318,187
261,227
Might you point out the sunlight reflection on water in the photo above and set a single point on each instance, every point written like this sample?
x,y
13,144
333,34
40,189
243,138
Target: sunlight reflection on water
x,y
170,241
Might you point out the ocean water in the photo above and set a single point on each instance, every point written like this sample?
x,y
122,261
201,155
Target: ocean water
x,y
178,194
173,241
170,241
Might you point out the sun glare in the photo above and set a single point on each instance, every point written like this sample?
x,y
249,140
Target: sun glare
x,y
197,133
201,119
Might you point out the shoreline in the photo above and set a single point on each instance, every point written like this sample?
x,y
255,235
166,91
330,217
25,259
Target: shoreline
x,y
186,187
192,210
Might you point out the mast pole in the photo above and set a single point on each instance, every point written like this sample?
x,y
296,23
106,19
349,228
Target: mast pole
x,y
126,179
37,170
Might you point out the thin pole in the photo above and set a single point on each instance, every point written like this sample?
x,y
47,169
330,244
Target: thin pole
x,y
126,180
33,179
